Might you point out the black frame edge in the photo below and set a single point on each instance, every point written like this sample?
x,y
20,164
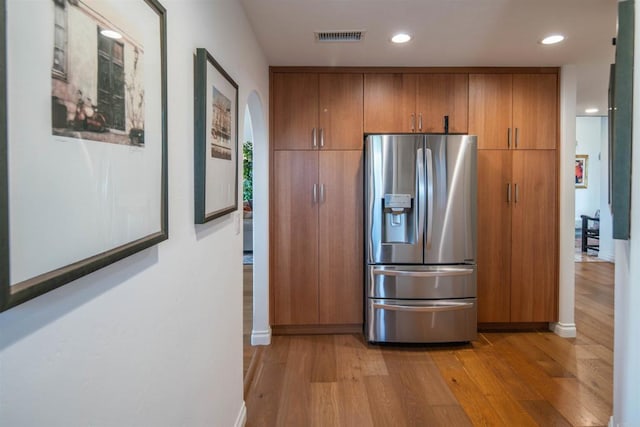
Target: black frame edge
x,y
200,137
4,167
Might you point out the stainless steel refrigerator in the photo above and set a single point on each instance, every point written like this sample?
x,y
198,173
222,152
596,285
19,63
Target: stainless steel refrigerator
x,y
420,237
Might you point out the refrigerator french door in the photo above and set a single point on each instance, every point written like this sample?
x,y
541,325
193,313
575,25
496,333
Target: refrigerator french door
x,y
420,195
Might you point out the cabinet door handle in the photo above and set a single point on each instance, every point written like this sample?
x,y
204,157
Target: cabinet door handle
x,y
321,137
314,138
321,193
413,122
509,193
508,137
420,122
517,195
516,137
315,193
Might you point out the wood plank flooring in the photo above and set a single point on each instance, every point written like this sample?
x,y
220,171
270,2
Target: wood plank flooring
x,y
501,379
247,316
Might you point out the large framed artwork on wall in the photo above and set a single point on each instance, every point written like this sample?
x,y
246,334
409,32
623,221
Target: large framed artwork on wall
x,y
215,139
83,139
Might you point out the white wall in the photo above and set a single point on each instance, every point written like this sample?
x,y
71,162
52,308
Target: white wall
x,y
155,339
606,227
566,326
626,375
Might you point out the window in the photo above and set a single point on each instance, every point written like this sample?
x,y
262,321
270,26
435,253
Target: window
x,y
59,68
111,81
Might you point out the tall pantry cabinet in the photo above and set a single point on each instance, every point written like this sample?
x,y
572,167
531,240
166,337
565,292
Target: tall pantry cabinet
x,y
516,119
316,202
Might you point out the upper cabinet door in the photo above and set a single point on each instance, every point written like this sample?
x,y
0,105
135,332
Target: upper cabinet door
x,y
535,111
389,103
341,109
440,95
295,111
490,97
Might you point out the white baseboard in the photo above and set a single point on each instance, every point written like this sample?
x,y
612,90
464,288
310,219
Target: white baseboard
x,y
607,256
242,416
611,422
261,337
565,330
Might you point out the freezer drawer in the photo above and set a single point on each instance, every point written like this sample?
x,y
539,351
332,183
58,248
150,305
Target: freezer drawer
x,y
431,321
421,282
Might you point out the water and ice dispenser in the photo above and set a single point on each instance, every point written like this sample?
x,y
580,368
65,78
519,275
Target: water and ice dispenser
x,y
399,223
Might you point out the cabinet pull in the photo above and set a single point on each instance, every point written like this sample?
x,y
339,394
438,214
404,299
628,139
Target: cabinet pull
x,y
315,193
420,122
321,137
508,137
413,122
517,195
321,193
509,193
516,137
314,138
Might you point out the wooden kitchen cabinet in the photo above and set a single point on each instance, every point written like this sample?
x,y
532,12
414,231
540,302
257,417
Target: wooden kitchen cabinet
x,y
517,236
514,111
317,219
317,111
295,237
406,102
534,243
440,95
340,237
494,236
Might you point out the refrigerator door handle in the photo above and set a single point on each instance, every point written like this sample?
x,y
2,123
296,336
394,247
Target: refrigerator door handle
x,y
434,306
420,194
429,197
424,273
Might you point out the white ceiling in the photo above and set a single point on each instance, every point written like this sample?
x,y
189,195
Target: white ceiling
x,y
445,33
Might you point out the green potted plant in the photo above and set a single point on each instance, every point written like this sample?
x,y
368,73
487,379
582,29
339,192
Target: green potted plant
x,y
247,178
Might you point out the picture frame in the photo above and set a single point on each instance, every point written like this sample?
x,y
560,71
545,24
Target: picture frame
x,y
581,171
215,139
83,162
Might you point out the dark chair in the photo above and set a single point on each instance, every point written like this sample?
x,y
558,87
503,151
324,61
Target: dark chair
x,y
591,230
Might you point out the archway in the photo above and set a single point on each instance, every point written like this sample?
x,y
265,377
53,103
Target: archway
x,y
261,330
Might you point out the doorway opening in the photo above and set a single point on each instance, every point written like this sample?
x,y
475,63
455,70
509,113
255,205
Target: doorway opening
x,y
593,241
247,240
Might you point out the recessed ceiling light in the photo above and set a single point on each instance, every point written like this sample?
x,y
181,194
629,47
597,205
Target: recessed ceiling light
x,y
111,34
591,110
552,39
401,38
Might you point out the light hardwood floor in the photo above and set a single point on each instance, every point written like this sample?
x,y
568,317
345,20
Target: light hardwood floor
x,y
247,316
501,379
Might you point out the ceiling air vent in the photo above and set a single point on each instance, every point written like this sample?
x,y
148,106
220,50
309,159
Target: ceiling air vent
x,y
339,36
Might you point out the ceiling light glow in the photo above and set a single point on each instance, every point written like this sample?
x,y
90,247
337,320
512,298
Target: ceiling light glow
x,y
401,38
111,34
591,110
552,39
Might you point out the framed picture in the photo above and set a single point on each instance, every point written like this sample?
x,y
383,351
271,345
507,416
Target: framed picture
x,y
582,163
83,139
215,139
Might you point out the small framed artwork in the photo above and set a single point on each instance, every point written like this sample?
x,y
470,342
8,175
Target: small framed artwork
x,y
215,139
83,139
582,164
